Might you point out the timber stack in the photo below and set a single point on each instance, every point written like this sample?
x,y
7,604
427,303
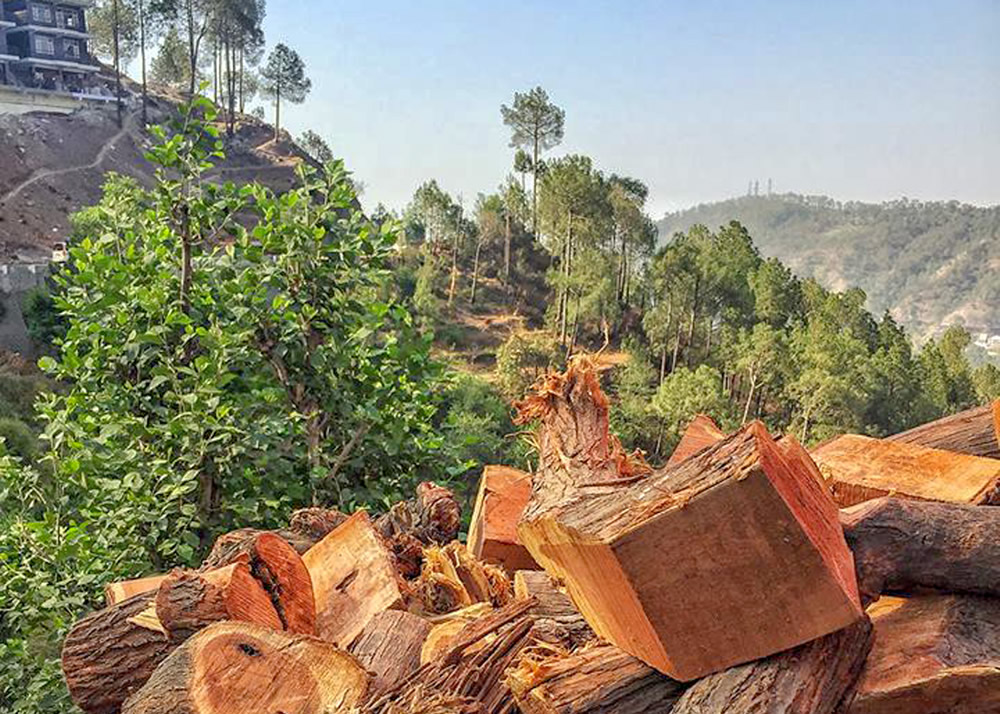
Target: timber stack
x,y
746,575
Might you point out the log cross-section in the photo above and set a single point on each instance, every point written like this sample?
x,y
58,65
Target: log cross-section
x,y
503,494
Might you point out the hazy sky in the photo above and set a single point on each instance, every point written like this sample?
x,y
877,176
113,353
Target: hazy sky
x,y
866,100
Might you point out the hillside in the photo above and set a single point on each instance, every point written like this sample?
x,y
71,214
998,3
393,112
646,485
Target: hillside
x,y
52,165
930,264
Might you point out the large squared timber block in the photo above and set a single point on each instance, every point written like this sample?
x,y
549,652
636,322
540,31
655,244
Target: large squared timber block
x,y
732,555
933,654
503,494
860,468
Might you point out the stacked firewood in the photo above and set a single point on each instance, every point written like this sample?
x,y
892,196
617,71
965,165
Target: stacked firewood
x,y
747,575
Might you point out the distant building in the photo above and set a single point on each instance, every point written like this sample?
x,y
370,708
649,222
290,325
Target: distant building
x,y
45,46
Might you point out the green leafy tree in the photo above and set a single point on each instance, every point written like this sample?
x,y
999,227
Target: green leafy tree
x,y
170,65
283,78
684,394
763,359
316,146
536,124
987,381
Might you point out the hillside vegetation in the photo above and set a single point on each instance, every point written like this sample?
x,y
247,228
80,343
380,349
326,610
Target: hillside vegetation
x,y
931,264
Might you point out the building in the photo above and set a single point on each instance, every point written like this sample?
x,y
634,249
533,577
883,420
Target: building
x,y
44,45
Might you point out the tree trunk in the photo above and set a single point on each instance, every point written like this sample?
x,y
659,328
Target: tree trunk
x,y
142,60
122,590
694,317
389,647
677,345
453,285
534,184
242,70
475,271
811,679
902,545
860,468
277,112
597,680
236,667
975,431
932,653
192,47
598,524
506,249
116,35
753,386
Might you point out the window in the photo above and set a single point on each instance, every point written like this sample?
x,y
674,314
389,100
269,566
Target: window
x,y
71,49
41,13
45,45
67,18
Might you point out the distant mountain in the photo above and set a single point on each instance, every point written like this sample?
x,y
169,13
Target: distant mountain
x,y
931,264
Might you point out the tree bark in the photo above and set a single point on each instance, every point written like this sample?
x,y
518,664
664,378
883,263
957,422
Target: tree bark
x,y
506,248
556,618
389,647
475,271
238,668
811,679
902,545
975,431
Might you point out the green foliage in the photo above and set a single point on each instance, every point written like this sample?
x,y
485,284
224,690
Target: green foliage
x,y
283,78
46,326
218,373
522,359
170,66
987,381
316,146
684,394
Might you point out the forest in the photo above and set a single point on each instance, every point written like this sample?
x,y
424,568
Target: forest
x,y
219,355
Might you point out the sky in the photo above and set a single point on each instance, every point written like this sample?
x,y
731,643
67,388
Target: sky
x,y
859,100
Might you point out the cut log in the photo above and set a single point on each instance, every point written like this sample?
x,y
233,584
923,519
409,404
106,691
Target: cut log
x,y
124,589
278,568
236,668
595,680
311,525
934,654
701,433
975,431
902,545
557,620
445,628
467,678
112,652
681,568
503,494
811,679
107,656
353,577
860,468
187,601
390,647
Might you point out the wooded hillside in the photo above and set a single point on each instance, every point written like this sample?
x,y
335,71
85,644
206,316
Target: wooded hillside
x,y
930,263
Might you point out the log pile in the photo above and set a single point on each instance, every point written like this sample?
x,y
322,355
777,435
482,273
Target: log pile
x,y
725,582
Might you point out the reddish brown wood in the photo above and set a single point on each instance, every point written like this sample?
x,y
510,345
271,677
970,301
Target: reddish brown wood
x,y
237,668
595,680
761,541
390,646
503,494
701,433
813,678
188,601
859,468
124,589
934,654
279,569
974,431
556,618
112,652
354,578
903,545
